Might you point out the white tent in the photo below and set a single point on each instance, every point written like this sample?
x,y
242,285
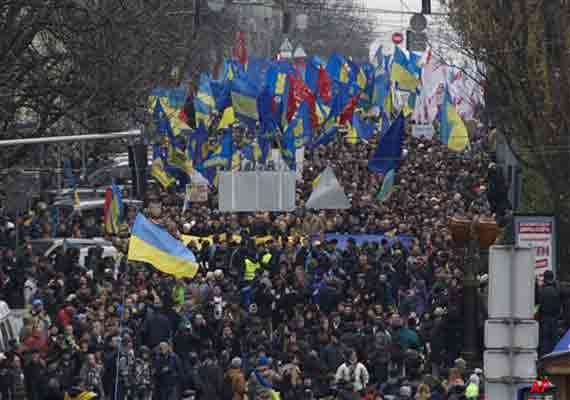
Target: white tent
x,y
328,194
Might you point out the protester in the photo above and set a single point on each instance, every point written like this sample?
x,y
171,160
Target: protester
x,y
291,316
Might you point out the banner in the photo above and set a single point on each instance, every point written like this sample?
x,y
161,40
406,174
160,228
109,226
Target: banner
x,y
342,240
199,193
538,232
422,130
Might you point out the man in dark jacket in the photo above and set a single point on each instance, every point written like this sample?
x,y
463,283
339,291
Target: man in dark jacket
x,y
549,312
168,373
157,328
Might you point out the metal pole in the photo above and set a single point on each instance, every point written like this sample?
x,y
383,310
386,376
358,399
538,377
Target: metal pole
x,y
83,161
59,169
470,286
74,138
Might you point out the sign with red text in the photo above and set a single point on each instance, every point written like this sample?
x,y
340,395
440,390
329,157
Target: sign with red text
x,y
538,232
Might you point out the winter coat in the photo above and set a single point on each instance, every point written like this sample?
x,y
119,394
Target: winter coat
x,y
355,374
237,379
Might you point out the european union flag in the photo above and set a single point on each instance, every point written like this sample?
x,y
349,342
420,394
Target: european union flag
x,y
389,151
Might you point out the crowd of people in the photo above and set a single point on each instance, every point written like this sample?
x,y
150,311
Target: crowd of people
x,y
293,316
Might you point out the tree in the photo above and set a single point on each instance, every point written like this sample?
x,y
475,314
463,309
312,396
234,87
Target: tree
x,y
93,62
522,48
340,26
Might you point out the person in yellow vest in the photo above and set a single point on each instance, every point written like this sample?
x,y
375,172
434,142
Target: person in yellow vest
x,y
472,389
77,392
251,266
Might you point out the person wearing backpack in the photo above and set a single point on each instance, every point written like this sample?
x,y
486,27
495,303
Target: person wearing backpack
x,y
234,381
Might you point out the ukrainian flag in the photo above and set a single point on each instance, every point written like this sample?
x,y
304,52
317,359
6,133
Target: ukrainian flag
x,y
363,129
244,100
338,69
228,118
351,136
453,131
157,171
177,158
204,102
151,244
401,72
172,101
288,148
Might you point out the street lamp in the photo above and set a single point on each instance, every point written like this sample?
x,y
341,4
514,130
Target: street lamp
x,y
473,236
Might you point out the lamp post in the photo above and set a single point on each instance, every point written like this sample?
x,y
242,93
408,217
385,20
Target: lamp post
x,y
472,236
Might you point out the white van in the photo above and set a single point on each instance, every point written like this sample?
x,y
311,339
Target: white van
x,y
49,247
11,324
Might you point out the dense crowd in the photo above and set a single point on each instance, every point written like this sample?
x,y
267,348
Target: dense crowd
x,y
297,315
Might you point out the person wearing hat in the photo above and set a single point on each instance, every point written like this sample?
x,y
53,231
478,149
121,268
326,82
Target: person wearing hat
x,y
262,380
234,381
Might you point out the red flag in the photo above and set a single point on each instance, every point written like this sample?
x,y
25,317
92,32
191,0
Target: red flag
x,y
240,49
346,114
324,85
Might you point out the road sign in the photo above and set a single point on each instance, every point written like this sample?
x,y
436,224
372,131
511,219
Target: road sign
x,y
497,365
416,41
397,38
497,335
511,283
418,22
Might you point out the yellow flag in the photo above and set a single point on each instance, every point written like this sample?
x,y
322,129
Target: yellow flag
x,y
228,118
158,173
316,181
351,136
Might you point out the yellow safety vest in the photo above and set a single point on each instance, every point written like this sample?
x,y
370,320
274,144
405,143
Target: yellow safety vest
x,y
266,259
250,269
472,391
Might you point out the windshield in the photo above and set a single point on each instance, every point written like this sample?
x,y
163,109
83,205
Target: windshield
x,y
40,248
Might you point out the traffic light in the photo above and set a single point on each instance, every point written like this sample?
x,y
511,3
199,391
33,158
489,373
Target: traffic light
x,y
286,22
426,6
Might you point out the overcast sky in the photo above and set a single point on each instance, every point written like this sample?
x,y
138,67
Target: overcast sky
x,y
390,23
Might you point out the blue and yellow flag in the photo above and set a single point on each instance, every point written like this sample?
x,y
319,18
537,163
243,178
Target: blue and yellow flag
x,y
158,172
204,102
363,128
351,136
151,244
300,126
288,149
198,145
329,134
113,209
244,100
338,69
401,73
453,131
172,102
219,158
